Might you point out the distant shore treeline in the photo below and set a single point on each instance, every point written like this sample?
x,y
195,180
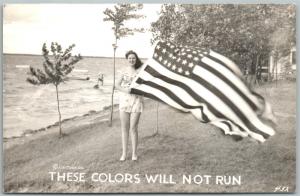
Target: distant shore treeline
x,y
21,54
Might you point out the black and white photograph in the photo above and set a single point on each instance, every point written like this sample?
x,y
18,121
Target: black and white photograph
x,y
149,98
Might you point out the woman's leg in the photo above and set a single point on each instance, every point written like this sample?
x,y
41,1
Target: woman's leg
x,y
134,120
125,120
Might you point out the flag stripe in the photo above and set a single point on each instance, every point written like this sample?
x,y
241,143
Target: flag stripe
x,y
225,62
254,124
149,75
222,123
167,92
237,87
228,124
175,82
152,75
236,130
204,116
200,89
197,97
240,103
221,63
175,89
228,102
224,87
159,95
143,93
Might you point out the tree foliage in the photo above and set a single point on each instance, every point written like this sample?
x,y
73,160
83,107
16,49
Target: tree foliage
x,y
119,15
55,69
242,32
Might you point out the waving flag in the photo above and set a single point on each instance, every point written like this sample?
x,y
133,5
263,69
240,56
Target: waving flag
x,y
206,84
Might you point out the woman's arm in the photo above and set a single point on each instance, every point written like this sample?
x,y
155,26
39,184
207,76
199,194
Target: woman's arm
x,y
120,88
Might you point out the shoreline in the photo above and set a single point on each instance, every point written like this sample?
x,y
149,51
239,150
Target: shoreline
x,y
93,117
47,129
28,132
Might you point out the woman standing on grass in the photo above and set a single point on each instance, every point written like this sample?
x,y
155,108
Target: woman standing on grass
x,y
130,106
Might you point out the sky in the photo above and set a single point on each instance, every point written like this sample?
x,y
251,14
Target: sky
x,y
27,26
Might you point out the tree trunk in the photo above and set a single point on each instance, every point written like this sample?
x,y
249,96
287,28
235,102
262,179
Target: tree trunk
x,y
156,133
59,115
113,89
257,69
276,69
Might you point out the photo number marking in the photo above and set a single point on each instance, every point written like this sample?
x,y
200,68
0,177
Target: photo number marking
x,y
281,189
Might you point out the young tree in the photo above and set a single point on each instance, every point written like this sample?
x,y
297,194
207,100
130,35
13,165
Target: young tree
x,y
120,14
164,30
55,69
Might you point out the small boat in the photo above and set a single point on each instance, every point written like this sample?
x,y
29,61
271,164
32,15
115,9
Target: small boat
x,y
22,66
79,74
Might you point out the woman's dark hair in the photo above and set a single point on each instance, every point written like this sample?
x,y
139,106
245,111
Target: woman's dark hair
x,y
138,62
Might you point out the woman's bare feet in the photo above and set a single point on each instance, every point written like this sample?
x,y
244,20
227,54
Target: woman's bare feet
x,y
123,158
134,157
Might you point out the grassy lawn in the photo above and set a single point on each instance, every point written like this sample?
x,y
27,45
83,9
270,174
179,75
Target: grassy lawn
x,y
183,146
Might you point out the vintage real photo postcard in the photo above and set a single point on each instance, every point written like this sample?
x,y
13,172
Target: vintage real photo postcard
x,y
149,98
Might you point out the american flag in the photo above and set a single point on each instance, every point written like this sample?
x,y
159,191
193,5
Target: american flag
x,y
208,85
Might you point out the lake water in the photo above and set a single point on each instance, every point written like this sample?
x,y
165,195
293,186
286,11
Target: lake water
x,y
26,106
